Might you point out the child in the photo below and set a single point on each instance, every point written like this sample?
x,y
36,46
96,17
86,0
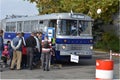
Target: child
x,y
10,51
5,55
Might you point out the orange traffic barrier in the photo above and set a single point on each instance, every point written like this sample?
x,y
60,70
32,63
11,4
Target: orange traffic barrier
x,y
104,69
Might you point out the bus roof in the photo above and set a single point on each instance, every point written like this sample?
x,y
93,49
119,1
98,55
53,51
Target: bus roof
x,y
72,16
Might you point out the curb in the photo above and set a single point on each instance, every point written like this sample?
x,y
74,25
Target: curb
x,y
100,52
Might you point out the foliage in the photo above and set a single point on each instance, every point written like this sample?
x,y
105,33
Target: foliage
x,y
109,42
89,7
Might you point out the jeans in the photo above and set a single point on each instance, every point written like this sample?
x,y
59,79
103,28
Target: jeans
x,y
46,59
30,55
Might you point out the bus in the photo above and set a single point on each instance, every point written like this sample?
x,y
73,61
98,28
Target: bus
x,y
72,32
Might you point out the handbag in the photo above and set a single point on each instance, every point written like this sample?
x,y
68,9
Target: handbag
x,y
24,50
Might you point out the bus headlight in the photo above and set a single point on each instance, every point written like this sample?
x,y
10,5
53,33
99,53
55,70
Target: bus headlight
x,y
63,47
91,47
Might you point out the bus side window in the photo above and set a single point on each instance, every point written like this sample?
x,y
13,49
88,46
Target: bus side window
x,y
10,27
27,26
19,26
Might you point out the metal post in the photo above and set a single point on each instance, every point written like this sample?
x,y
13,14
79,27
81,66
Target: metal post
x,y
110,54
77,27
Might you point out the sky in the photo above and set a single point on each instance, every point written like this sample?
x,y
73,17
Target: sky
x,y
17,7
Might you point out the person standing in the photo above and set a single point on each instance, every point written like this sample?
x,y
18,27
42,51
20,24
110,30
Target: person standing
x,y
1,42
30,44
46,55
37,49
16,44
10,51
24,52
39,35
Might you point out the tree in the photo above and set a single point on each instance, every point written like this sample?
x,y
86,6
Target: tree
x,y
89,7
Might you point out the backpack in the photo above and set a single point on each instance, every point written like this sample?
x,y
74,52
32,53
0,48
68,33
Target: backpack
x,y
46,44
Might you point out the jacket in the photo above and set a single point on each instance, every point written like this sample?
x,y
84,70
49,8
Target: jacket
x,y
1,44
16,43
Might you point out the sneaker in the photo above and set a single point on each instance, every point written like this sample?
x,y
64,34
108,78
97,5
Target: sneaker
x,y
48,69
11,68
18,69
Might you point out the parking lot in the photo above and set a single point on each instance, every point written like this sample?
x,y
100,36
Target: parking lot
x,y
84,70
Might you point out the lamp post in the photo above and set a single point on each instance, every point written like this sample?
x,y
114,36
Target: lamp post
x,y
99,11
98,33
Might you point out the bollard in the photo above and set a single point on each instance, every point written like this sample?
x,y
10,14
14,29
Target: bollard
x,y
104,69
110,54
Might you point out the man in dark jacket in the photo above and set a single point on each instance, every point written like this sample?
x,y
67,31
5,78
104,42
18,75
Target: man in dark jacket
x,y
1,42
30,44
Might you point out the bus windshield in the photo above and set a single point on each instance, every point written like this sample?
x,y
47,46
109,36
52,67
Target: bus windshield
x,y
74,27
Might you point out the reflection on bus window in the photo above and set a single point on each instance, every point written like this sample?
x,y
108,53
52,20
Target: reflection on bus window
x,y
73,27
52,23
27,26
19,26
67,27
85,27
10,27
34,26
80,27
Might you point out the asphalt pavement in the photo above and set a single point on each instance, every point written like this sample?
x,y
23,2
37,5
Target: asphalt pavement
x,y
71,71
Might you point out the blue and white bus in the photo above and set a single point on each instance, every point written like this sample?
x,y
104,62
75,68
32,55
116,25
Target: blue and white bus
x,y
72,32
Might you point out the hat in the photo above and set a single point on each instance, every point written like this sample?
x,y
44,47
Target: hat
x,y
6,47
1,31
17,33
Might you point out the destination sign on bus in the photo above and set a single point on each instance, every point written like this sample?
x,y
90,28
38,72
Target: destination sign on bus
x,y
77,16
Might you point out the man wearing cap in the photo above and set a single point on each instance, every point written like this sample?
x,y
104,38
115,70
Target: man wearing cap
x,y
16,44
